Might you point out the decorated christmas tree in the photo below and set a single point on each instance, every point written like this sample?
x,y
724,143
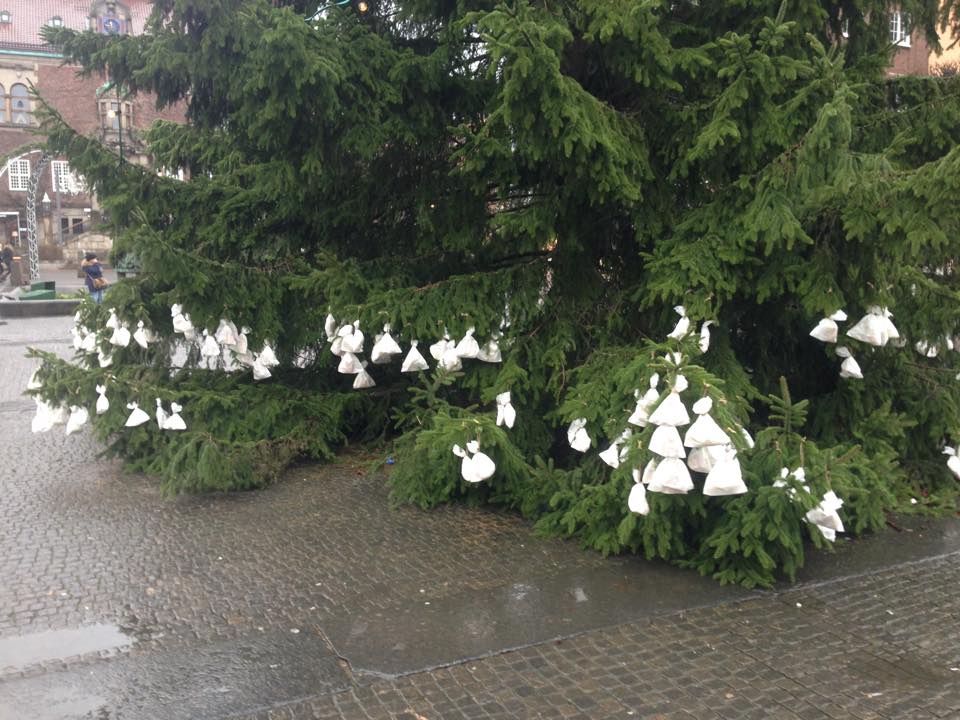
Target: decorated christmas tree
x,y
671,277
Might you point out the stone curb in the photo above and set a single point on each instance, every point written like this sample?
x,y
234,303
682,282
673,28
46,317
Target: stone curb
x,y
37,308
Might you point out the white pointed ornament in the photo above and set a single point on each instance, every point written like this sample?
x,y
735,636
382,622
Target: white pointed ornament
x,y
441,346
887,325
137,416
363,379
645,403
414,361
617,450
77,337
104,359
450,361
349,364
226,333
113,322
174,421
267,357
182,324
89,342
850,368
330,327
875,327
726,477
637,501
671,411
260,371
140,336
78,418
483,465
490,352
103,404
666,442
209,348
671,477
825,331
506,414
161,415
43,420
468,348
176,309
466,464
353,342
683,325
703,459
705,430
120,336
577,435
384,348
826,517
241,347
704,342
953,462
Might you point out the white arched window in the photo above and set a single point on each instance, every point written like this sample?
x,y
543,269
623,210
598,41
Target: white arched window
x,y
20,112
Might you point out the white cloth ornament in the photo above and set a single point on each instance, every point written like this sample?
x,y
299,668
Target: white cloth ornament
x,y
182,324
78,418
506,414
838,316
336,346
260,371
102,403
648,470
77,337
384,348
174,422
825,331
637,502
120,336
641,414
137,416
466,465
825,516
241,347
113,322
450,361
705,336
705,430
683,325
330,326
671,477
89,342
670,412
577,435
353,343
176,309
726,477
43,420
414,361
490,352
441,346
875,327
34,382
666,442
680,383
267,356
104,359
483,466
467,347
60,414
363,379
703,459
849,368
161,415
226,333
926,349
140,336
887,325
953,462
349,364
209,347
616,452
477,468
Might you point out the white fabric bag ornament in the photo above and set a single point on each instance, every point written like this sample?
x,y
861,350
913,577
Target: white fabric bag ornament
x,y
174,422
77,337
89,342
137,416
467,347
577,435
349,364
850,368
161,415
616,452
648,470
113,322
363,379
671,412
104,359
440,347
267,356
330,327
120,336
506,414
825,331
641,415
78,418
353,342
705,336
926,349
825,516
483,465
384,348
466,465
182,324
260,371
705,430
43,420
490,352
226,333
671,477
102,403
209,347
703,459
875,327
726,477
953,462
637,502
666,442
450,361
241,348
414,361
683,325
140,336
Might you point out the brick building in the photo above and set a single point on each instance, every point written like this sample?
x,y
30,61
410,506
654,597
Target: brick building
x,y
65,210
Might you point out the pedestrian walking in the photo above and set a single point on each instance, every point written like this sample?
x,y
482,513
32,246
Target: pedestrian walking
x,y
94,279
6,262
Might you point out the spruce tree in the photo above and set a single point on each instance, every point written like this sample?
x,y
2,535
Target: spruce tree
x,y
556,176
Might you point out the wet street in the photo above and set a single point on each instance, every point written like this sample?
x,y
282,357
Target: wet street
x,y
313,599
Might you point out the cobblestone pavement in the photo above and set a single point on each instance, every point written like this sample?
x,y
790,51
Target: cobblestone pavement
x,y
313,599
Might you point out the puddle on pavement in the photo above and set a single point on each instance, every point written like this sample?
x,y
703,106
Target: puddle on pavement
x,y
17,653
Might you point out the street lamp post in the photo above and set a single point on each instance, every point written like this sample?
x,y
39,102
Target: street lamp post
x,y
361,6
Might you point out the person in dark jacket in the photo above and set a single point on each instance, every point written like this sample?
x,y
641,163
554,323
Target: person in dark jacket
x,y
94,279
6,262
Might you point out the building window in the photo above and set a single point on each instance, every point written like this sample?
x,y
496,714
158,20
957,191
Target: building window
x,y
18,175
3,104
900,28
5,17
20,113
64,180
56,21
110,115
